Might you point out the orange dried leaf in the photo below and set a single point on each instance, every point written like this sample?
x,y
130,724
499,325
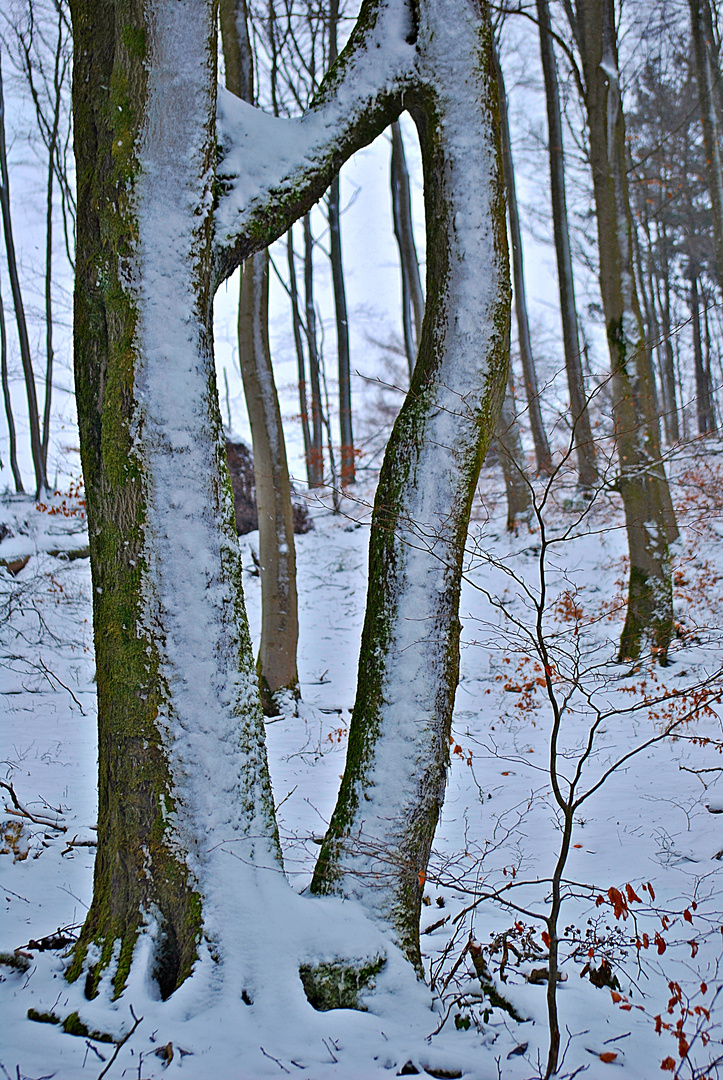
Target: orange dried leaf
x,y
607,1056
667,1064
616,996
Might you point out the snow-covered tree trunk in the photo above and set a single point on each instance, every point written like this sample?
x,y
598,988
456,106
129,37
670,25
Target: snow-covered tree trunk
x,y
182,763
649,514
380,835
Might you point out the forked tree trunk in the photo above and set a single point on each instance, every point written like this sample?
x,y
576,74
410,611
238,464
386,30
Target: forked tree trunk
x,y
276,662
380,835
412,293
529,375
649,514
175,674
181,754
582,432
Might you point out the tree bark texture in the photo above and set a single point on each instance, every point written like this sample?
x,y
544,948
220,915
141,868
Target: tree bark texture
x,y
380,835
582,432
529,375
649,514
412,292
177,699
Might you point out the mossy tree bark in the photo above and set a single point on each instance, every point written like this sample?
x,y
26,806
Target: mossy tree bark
x,y
276,664
380,835
182,762
649,514
175,676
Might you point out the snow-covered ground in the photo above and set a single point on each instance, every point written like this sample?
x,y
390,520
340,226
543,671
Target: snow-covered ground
x,y
641,884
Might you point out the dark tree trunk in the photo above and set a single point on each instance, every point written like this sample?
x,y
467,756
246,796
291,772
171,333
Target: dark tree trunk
x,y
649,514
277,557
583,440
529,375
36,444
12,440
316,455
340,307
412,293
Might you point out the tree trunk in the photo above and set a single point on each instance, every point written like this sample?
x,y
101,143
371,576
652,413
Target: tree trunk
x,y
702,387
532,392
316,458
380,835
300,362
668,379
276,663
33,415
509,445
582,432
412,293
649,515
708,76
12,440
175,674
342,317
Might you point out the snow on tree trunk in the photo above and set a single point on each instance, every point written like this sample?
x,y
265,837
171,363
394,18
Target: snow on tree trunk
x,y
182,762
379,839
649,514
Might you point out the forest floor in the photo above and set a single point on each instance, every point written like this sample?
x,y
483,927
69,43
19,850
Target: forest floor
x,y
641,926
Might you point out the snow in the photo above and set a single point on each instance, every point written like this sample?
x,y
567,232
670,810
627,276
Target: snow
x,y
653,821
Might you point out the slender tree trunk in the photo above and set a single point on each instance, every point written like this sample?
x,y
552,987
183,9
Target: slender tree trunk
x,y
379,839
702,387
52,151
668,378
175,673
300,362
276,663
583,440
412,293
649,514
342,317
708,74
342,338
316,457
33,414
12,440
532,392
509,445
